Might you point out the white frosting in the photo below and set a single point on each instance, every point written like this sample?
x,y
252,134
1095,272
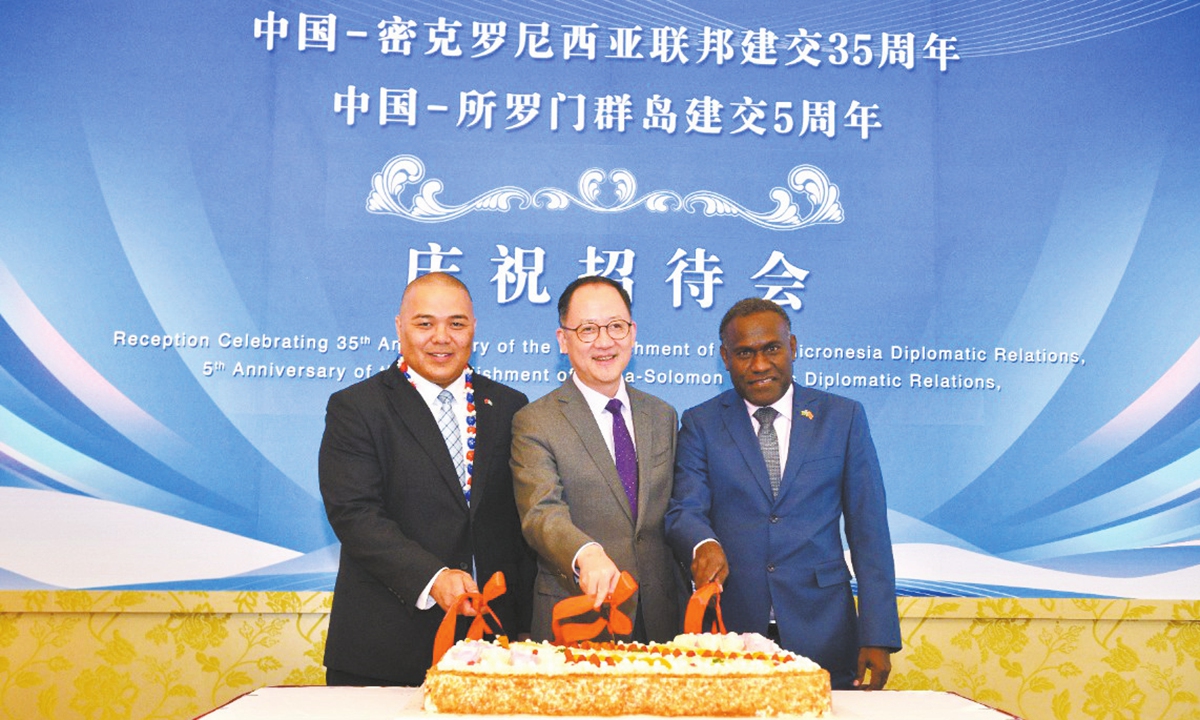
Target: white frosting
x,y
477,656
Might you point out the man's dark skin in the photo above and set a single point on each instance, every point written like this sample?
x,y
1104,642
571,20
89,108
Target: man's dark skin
x,y
758,351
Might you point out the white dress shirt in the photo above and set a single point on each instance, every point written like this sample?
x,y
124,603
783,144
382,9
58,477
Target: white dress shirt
x,y
783,422
429,392
783,432
596,402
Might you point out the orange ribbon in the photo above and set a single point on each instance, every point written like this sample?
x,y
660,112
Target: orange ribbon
x,y
616,623
698,604
494,588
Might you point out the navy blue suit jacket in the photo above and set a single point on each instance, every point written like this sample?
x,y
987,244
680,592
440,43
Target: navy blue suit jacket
x,y
786,552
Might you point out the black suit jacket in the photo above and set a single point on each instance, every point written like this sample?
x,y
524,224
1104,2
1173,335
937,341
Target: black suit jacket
x,y
393,498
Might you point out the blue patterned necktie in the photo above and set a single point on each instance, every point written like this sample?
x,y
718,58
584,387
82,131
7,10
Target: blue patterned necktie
x,y
448,424
769,442
625,455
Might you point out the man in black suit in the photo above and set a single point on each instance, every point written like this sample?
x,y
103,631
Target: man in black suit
x,y
415,476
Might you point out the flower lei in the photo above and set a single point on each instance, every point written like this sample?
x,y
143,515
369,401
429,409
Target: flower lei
x,y
469,445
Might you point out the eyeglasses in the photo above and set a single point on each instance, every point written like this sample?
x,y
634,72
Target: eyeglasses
x,y
588,332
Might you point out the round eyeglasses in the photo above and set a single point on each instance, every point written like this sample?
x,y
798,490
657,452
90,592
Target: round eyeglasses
x,y
588,332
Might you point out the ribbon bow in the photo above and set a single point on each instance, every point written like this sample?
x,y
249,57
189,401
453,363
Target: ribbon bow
x,y
616,622
494,588
705,596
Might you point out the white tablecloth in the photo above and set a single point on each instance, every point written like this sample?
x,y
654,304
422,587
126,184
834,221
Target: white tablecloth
x,y
375,703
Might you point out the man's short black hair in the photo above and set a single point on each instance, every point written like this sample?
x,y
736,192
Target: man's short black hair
x,y
751,306
564,300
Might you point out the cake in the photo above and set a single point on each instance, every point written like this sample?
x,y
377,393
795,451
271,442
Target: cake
x,y
695,674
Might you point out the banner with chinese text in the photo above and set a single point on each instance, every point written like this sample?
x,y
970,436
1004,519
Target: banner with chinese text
x,y
982,220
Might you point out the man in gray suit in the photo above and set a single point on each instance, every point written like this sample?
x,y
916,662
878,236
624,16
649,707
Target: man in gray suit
x,y
592,470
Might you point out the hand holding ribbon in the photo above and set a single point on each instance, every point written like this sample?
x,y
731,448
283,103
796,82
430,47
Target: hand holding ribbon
x,y
494,588
616,623
706,595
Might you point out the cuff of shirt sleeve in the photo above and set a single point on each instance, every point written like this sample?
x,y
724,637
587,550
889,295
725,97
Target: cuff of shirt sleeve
x,y
575,559
697,546
425,601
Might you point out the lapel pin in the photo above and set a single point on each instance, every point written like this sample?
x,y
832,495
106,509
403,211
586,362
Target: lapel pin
x,y
487,401
807,413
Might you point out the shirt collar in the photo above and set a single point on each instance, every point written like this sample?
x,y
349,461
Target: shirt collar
x,y
429,390
783,405
597,400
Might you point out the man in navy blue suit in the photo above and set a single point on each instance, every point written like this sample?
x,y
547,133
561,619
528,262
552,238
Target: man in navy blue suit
x,y
764,475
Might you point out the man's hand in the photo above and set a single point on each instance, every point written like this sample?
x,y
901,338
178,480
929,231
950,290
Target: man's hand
x,y
879,661
448,585
598,574
709,564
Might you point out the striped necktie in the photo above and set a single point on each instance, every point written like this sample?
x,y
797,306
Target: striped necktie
x,y
448,424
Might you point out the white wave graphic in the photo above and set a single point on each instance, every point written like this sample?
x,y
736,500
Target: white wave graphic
x,y
944,564
82,379
68,541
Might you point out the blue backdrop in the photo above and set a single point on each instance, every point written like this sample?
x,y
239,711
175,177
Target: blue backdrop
x,y
982,219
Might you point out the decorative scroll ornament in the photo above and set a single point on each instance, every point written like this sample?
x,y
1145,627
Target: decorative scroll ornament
x,y
809,198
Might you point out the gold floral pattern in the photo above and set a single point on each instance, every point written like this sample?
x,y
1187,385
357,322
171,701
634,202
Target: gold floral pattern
x,y
1056,659
1112,696
104,693
152,655
173,655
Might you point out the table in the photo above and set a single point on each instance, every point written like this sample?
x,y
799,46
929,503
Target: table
x,y
393,703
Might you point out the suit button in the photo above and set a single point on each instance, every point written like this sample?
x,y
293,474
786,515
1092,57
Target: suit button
x,y
771,567
774,519
465,567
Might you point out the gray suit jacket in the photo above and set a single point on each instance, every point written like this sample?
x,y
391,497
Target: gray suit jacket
x,y
568,494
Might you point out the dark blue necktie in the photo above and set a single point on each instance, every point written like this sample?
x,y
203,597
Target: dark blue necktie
x,y
625,455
